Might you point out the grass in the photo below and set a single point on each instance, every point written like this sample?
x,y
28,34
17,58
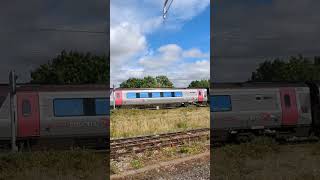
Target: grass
x,y
53,165
256,149
136,164
265,159
134,122
261,159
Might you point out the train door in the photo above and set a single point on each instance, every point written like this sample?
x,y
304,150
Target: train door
x,y
289,106
28,114
315,103
200,96
118,98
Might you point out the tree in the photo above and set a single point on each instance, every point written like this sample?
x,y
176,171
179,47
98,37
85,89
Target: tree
x,y
147,82
132,83
297,68
163,81
73,68
199,84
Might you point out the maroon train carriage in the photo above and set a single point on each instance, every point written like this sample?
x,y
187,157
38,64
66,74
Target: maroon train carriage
x,y
56,115
286,111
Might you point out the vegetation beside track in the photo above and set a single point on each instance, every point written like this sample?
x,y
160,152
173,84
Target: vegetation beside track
x,y
135,122
49,165
139,160
265,159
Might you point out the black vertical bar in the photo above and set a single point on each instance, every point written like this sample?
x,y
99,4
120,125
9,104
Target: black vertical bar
x,y
12,84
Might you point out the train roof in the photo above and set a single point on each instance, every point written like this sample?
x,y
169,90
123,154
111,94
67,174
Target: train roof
x,y
156,88
73,87
258,85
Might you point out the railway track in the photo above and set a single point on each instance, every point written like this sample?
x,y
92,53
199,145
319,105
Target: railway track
x,y
163,108
282,142
124,146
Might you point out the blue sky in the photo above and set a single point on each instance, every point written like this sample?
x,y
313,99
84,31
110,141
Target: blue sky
x,y
194,33
142,44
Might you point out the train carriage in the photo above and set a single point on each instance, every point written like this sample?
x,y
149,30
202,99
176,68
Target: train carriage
x,y
46,113
157,97
247,108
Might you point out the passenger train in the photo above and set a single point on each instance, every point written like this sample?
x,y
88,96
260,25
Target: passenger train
x,y
286,111
72,114
161,97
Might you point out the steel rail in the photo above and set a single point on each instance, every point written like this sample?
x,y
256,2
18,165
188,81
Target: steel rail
x,y
124,146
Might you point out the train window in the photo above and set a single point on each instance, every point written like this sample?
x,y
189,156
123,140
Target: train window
x,y
220,103
304,109
172,94
2,99
26,108
178,94
258,97
102,107
155,94
287,100
266,97
131,95
167,94
68,107
137,95
161,94
144,95
89,107
118,95
150,95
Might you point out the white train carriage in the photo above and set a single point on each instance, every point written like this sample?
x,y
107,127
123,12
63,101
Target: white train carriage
x,y
158,97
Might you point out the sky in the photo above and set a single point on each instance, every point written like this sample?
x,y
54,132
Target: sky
x,y
248,32
23,47
142,43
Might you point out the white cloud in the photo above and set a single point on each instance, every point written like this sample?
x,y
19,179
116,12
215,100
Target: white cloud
x,y
187,9
185,73
125,41
167,54
169,60
195,53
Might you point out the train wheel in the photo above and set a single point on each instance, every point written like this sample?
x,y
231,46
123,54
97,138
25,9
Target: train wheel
x,y
244,137
24,146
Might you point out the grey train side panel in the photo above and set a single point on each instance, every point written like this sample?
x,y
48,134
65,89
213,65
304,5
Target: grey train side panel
x,y
70,126
304,106
248,112
5,124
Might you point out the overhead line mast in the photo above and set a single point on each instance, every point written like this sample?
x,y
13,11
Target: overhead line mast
x,y
166,7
